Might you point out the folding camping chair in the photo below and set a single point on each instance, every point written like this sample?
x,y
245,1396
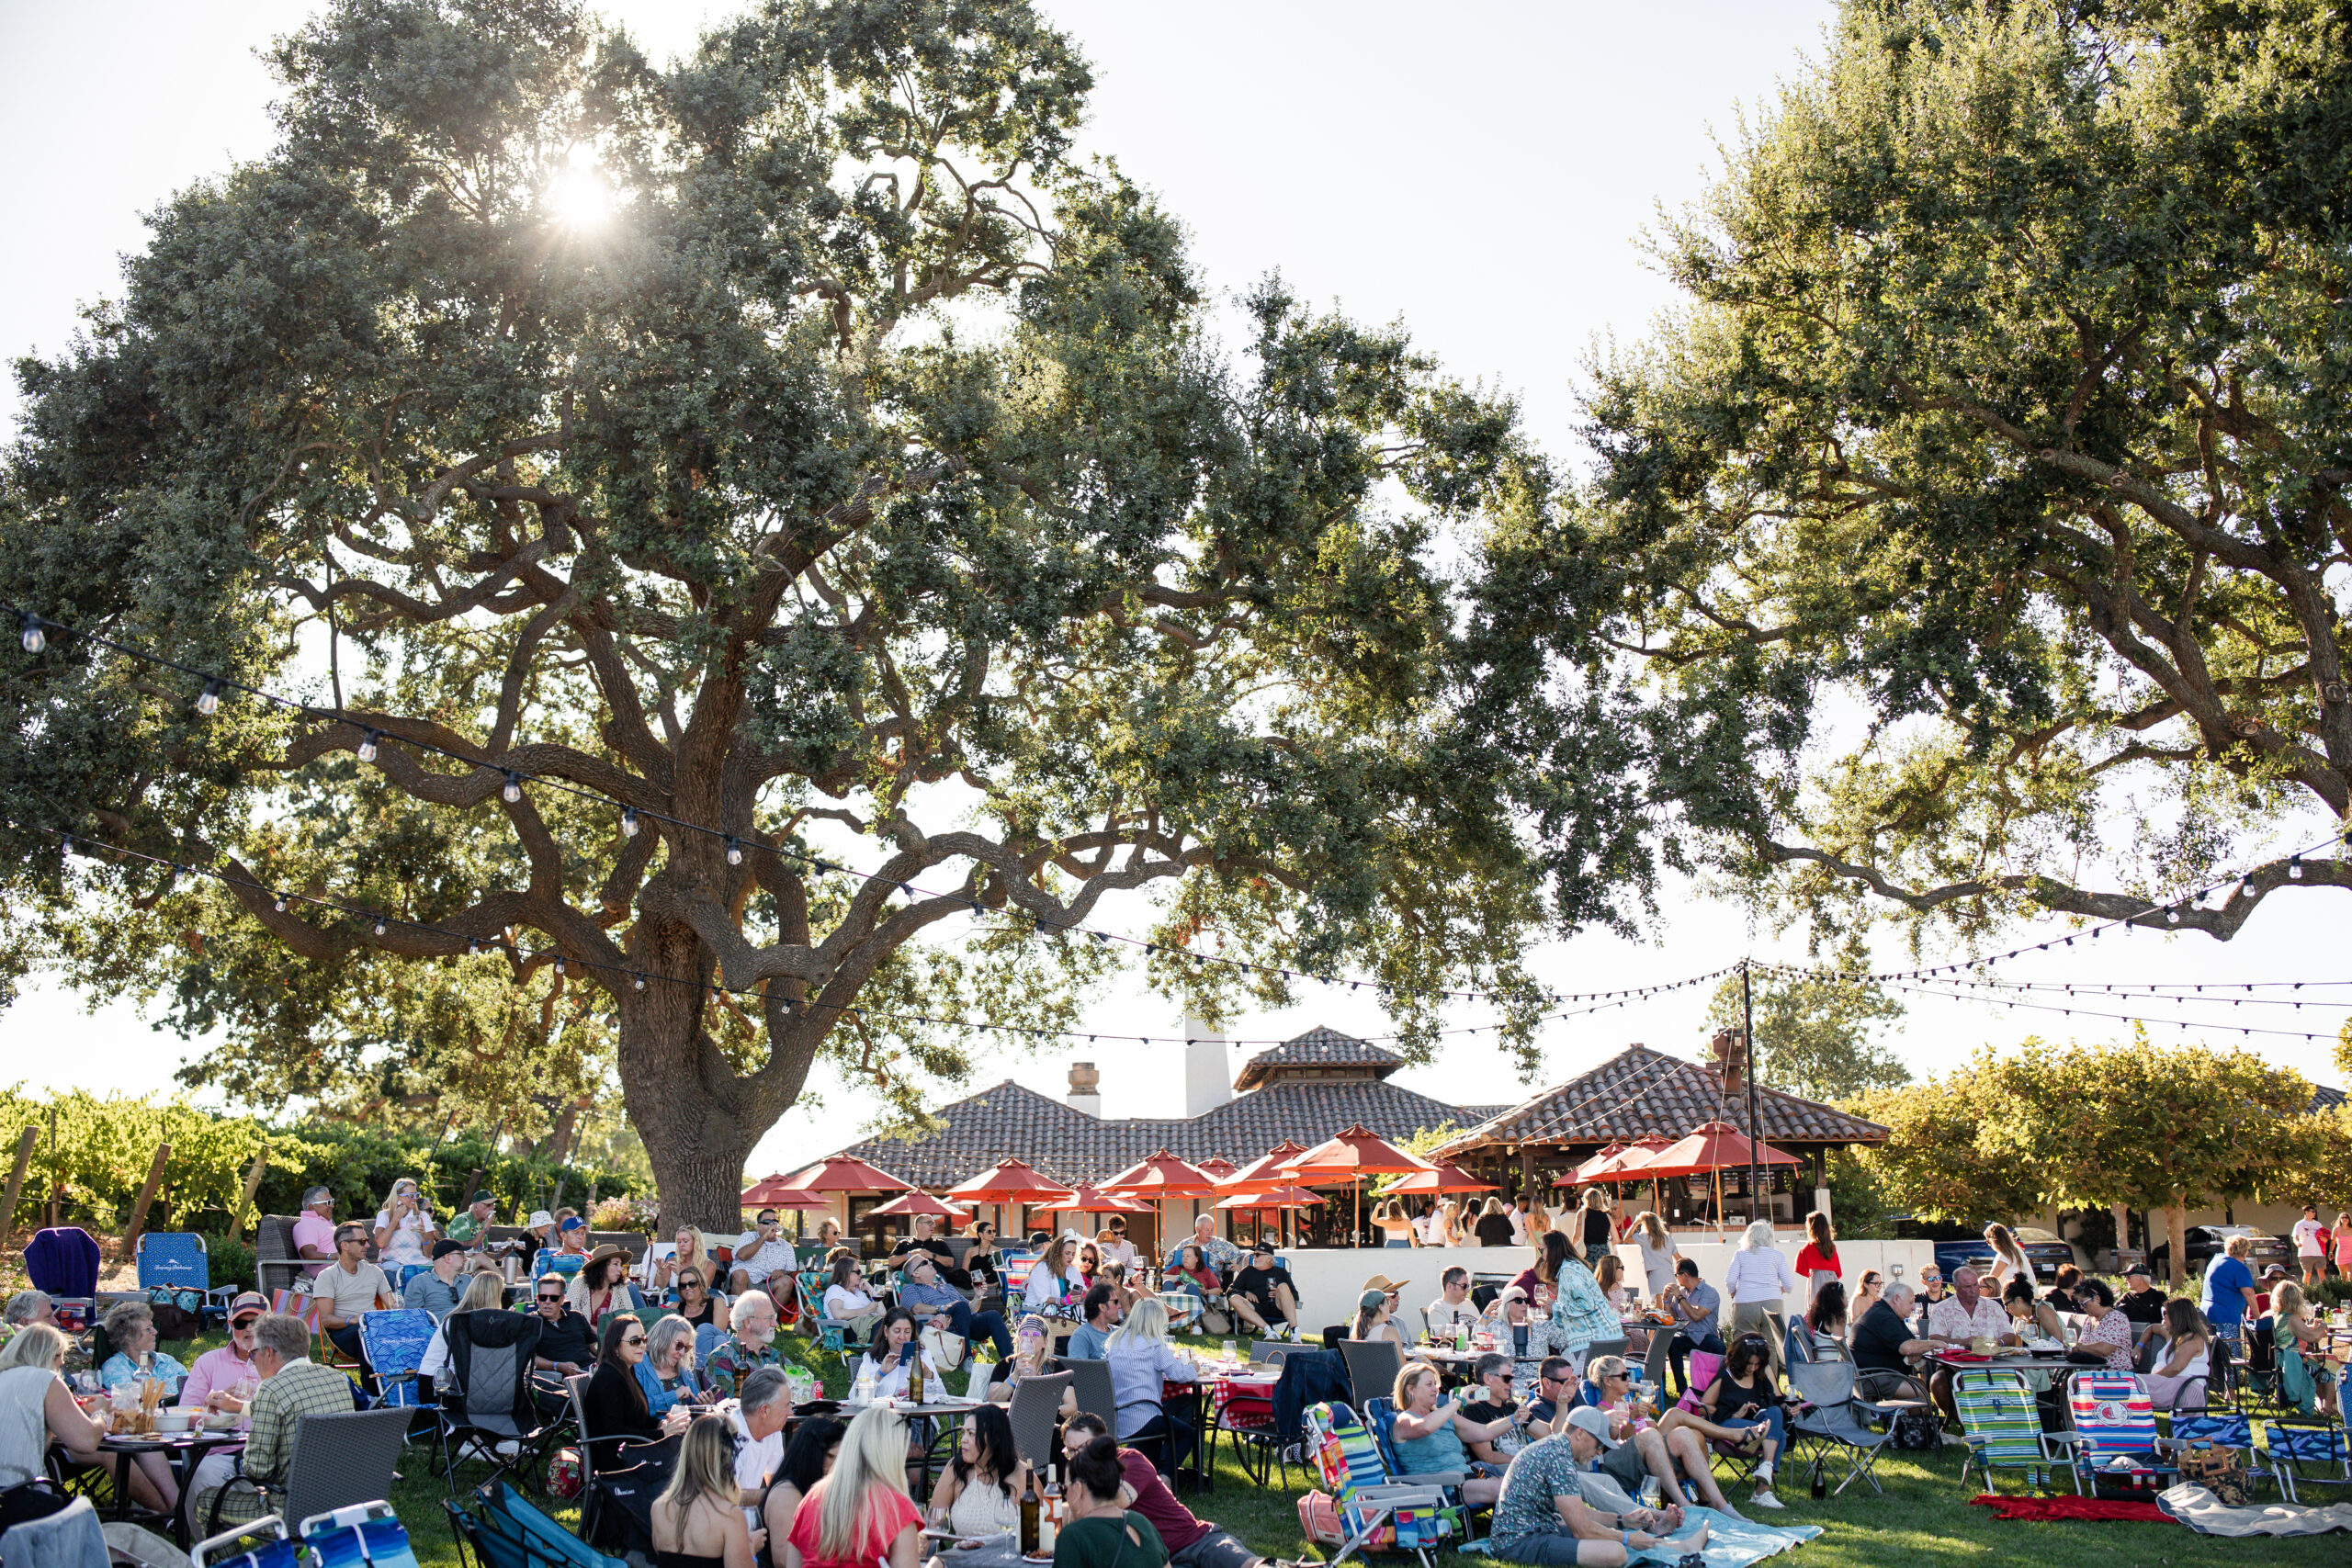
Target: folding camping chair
x,y
278,1549
484,1399
1836,1420
828,1334
1703,1365
63,1263
2001,1424
1380,1420
2230,1430
395,1342
2307,1455
179,1261
1375,1514
2117,1448
365,1535
507,1531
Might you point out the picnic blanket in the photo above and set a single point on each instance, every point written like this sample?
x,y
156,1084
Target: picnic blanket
x,y
2201,1511
2070,1508
1731,1543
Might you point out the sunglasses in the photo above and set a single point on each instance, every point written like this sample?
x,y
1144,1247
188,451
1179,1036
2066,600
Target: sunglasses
x,y
632,1339
689,1283
543,1300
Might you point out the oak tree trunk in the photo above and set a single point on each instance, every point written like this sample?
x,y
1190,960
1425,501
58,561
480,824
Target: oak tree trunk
x,y
698,1117
2176,1232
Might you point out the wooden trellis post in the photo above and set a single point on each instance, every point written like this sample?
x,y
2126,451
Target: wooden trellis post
x,y
146,1197
25,1142
245,1203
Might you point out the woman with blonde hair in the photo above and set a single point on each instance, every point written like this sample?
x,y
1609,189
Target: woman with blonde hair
x,y
1141,1359
1657,1252
1446,1225
1595,1229
37,1408
1052,1278
859,1515
699,1521
1033,1346
661,1274
2296,1330
1492,1228
1388,1216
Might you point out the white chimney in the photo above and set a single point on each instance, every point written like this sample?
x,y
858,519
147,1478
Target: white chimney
x,y
1208,1077
1085,1089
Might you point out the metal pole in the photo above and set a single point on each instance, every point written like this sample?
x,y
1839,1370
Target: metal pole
x,y
1748,1029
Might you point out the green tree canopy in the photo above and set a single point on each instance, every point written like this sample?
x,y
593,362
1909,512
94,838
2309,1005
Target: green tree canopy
x,y
1814,1030
794,443
1977,537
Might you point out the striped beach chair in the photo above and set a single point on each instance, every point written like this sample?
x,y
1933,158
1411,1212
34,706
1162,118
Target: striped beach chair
x,y
2002,1426
2117,1448
1374,1514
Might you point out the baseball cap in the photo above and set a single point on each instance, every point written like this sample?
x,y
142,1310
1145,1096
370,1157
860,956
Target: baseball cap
x,y
576,1224
2138,1271
445,1247
483,1196
1594,1421
251,1303
1263,1249
1371,1300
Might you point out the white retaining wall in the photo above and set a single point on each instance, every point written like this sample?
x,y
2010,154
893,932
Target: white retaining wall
x,y
1331,1279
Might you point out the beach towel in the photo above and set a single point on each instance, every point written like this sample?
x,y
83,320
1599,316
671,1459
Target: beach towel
x,y
2207,1515
1731,1543
2038,1508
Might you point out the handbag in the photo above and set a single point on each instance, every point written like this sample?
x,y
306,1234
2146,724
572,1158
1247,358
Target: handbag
x,y
2221,1471
1318,1520
946,1350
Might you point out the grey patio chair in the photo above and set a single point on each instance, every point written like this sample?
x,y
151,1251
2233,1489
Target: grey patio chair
x,y
1035,1414
1271,1352
1656,1365
1090,1383
338,1461
1372,1366
1836,1420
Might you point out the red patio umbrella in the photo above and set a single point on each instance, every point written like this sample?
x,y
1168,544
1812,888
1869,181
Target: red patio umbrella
x,y
1442,1177
1355,1154
1578,1175
917,1203
1264,1172
846,1173
1216,1167
1162,1175
1280,1197
1013,1183
1711,1147
1093,1201
769,1192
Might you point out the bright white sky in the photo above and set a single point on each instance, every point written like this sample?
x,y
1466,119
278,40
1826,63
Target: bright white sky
x,y
1483,171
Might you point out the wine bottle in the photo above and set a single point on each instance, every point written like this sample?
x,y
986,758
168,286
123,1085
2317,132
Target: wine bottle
x,y
1029,1518
914,1373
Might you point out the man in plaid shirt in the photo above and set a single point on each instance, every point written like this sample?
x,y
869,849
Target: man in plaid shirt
x,y
292,1386
752,1346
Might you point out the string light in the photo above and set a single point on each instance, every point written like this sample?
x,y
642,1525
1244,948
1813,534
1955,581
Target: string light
x,y
366,752
208,700
628,821
513,793
32,637
380,927
734,851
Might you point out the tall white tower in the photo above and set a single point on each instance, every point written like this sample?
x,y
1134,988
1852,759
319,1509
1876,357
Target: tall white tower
x,y
1208,1077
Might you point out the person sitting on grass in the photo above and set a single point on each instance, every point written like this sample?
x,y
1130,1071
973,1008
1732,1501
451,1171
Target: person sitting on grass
x,y
1432,1434
1541,1518
1191,1541
1264,1291
1104,1533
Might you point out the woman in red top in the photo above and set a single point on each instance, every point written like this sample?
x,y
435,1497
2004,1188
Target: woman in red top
x,y
860,1515
1820,1252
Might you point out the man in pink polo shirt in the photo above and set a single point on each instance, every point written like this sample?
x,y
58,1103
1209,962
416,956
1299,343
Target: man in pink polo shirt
x,y
315,1231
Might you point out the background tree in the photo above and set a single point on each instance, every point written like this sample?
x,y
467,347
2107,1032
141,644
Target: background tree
x,y
2150,1127
1812,1031
792,442
1977,537
1933,1163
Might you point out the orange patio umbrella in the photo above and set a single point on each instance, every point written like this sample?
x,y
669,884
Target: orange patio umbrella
x,y
1092,1201
1578,1175
846,1173
917,1203
1162,1175
1710,1149
1280,1197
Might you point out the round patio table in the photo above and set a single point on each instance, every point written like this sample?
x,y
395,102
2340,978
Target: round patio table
x,y
181,1450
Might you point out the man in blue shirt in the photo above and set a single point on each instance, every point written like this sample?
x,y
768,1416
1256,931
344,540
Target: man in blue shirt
x,y
1091,1340
2228,1296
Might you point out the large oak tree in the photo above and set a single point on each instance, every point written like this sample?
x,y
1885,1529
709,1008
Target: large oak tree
x,y
1976,540
794,442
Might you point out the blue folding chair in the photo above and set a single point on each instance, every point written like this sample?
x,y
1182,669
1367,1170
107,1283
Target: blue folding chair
x,y
178,1262
2308,1455
550,1261
279,1551
63,1263
503,1531
367,1536
395,1342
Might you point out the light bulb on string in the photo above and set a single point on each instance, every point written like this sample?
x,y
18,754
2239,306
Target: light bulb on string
x,y
208,700
33,638
380,927
280,905
366,752
628,822
638,983
513,793
734,851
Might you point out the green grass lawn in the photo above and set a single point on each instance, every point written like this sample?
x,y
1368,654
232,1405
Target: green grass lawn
x,y
1924,1518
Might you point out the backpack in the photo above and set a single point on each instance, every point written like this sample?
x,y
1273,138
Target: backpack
x,y
1916,1427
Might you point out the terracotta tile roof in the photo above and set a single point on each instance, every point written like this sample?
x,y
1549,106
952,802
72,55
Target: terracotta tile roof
x,y
1641,1092
1319,1047
1071,1147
